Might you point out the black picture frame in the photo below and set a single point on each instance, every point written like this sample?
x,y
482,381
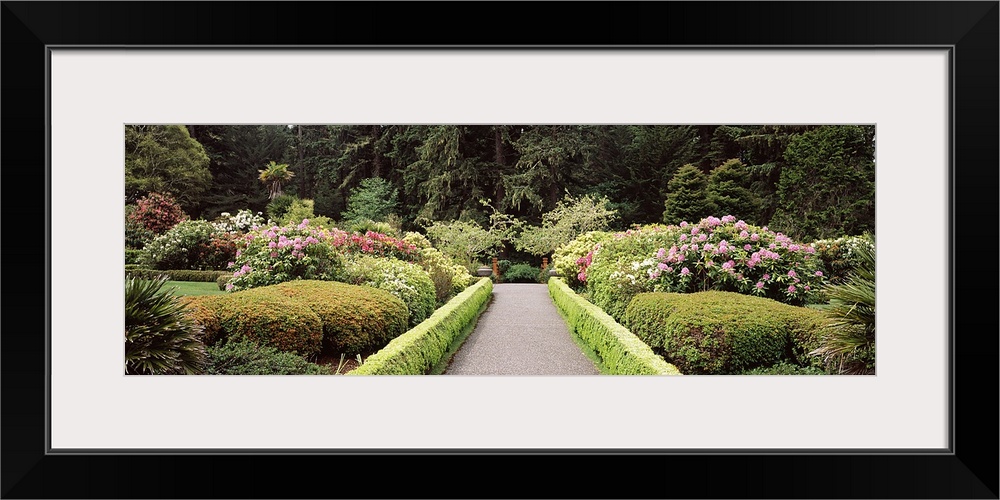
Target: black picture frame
x,y
970,29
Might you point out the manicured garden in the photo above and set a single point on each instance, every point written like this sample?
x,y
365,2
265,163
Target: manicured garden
x,y
388,284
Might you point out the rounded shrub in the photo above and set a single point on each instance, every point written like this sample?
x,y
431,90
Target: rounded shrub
x,y
136,234
267,319
247,358
223,280
245,220
160,338
278,207
567,258
842,255
157,213
201,309
718,332
409,282
449,278
521,273
714,254
277,254
612,271
181,247
333,317
355,319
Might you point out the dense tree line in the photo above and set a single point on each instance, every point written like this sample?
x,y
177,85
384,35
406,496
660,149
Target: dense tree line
x,y
808,181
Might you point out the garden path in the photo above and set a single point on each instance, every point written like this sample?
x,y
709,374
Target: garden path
x,y
520,333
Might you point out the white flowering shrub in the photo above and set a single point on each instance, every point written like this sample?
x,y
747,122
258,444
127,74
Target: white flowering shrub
x,y
182,247
409,282
245,220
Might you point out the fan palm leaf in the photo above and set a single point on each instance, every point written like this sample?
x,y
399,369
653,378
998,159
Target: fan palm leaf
x,y
160,339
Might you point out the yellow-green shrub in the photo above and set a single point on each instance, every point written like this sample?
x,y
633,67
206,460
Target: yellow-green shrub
x,y
409,282
723,332
621,352
420,349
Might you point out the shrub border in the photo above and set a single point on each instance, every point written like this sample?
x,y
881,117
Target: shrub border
x,y
178,274
423,347
620,351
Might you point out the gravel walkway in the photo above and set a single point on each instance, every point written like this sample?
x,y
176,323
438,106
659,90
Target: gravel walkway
x,y
520,333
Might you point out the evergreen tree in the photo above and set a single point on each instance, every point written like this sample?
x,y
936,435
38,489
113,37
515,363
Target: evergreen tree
x,y
687,196
827,187
374,199
727,191
165,159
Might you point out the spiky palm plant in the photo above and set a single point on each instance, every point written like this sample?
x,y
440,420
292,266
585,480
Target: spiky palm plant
x,y
849,343
275,174
160,339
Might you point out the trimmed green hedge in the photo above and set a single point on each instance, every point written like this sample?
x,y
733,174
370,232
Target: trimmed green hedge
x,y
724,332
417,351
621,352
303,316
177,274
223,280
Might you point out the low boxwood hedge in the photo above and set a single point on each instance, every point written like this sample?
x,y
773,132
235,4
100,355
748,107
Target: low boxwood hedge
x,y
177,274
419,350
303,316
223,280
621,352
724,332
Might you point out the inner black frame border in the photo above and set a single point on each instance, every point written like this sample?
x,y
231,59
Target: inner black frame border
x,y
967,29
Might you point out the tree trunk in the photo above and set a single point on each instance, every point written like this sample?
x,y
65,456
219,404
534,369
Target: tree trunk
x,y
376,133
501,159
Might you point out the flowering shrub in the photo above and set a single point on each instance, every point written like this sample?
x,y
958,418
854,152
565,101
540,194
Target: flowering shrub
x,y
714,254
371,243
572,259
841,255
244,221
449,278
136,234
221,250
157,212
611,270
181,247
407,281
277,254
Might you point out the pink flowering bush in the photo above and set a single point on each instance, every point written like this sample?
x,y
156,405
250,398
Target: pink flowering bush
x,y
372,243
714,254
572,258
272,255
157,213
277,254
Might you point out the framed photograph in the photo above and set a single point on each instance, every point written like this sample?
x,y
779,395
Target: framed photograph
x,y
924,74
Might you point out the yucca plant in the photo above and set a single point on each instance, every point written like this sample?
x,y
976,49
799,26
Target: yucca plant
x,y
160,339
849,343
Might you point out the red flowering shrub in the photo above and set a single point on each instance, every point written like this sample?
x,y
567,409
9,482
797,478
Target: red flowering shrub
x,y
157,213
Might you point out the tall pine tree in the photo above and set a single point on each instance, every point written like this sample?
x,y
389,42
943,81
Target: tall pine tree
x,y
687,197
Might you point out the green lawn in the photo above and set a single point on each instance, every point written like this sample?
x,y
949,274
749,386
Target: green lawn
x,y
194,287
